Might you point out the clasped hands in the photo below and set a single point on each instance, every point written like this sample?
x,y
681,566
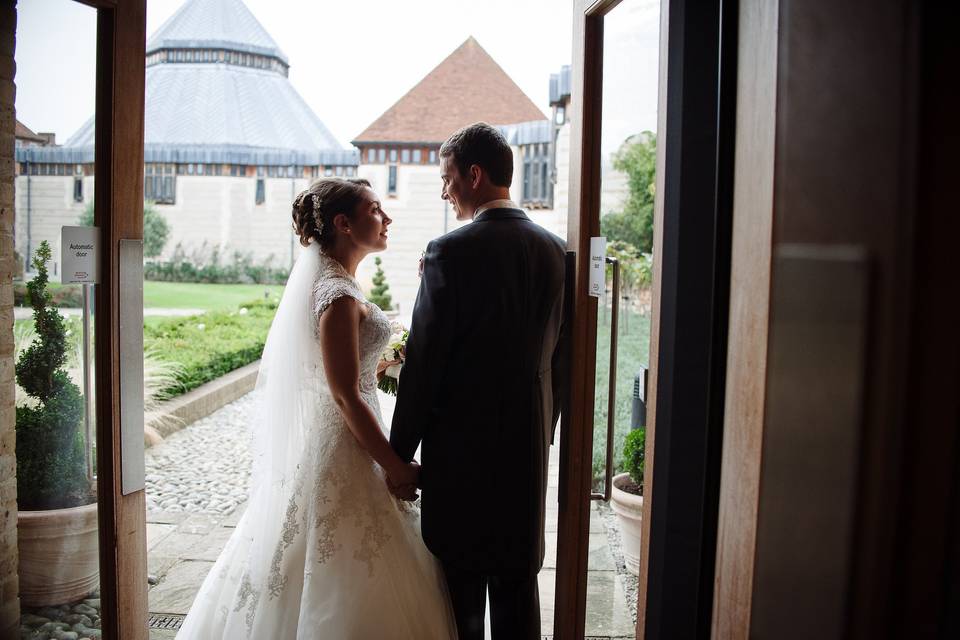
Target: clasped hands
x,y
404,480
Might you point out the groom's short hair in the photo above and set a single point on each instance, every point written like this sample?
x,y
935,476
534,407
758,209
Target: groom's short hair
x,y
482,145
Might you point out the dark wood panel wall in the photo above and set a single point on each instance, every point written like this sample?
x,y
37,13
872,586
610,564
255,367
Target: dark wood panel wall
x,y
839,494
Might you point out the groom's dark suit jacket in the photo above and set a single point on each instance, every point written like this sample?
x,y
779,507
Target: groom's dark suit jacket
x,y
480,388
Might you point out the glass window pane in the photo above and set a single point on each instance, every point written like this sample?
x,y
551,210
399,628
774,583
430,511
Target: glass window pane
x,y
392,182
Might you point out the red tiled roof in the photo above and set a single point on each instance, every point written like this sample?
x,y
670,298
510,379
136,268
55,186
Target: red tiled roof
x,y
468,86
23,132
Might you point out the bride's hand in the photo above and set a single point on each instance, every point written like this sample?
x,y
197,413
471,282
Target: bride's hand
x,y
403,481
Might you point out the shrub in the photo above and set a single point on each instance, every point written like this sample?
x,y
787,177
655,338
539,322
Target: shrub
x,y
210,345
51,461
204,265
634,455
65,295
156,229
380,294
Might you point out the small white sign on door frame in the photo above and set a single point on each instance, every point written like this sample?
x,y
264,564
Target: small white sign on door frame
x,y
598,266
78,255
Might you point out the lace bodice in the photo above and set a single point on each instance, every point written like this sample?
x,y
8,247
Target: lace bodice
x,y
334,282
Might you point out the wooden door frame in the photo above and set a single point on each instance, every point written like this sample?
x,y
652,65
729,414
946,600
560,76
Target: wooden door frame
x,y
118,212
688,335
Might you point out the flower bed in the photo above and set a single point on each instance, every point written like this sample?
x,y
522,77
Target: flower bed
x,y
210,345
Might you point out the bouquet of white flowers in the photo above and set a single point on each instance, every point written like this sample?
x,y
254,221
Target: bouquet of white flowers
x,y
391,360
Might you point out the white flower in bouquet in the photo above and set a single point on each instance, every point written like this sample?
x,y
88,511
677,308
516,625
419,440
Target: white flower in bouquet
x,y
391,360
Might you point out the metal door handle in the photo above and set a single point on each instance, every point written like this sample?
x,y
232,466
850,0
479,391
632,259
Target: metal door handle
x,y
612,383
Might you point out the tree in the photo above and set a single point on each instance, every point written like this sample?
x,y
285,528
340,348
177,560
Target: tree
x,y
156,229
636,157
380,294
635,269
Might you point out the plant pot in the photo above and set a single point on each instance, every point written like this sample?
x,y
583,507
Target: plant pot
x,y
59,555
629,510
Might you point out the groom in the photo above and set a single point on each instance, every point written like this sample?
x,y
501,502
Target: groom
x,y
479,389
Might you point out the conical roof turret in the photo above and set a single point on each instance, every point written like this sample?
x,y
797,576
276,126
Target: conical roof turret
x,y
215,25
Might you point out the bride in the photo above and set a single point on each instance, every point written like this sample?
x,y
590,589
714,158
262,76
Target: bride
x,y
324,550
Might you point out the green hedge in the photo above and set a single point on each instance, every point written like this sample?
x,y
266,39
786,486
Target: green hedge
x,y
61,295
210,345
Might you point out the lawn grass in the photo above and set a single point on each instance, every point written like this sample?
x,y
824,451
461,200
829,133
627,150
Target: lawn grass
x,y
632,353
178,295
209,297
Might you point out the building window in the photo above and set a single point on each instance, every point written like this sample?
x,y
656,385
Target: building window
x,y
272,172
351,171
393,155
433,156
417,156
261,191
536,174
159,183
381,155
78,189
405,156
328,171
339,171
371,155
392,181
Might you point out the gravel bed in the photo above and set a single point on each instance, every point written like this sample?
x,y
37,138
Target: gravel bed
x,y
77,621
204,468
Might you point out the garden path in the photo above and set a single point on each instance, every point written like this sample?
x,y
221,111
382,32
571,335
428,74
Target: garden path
x,y
25,313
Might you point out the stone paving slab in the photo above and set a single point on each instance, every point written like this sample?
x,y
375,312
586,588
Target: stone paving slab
x,y
156,532
177,589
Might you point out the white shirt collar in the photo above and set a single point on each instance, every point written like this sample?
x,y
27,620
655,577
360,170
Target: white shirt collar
x,y
496,204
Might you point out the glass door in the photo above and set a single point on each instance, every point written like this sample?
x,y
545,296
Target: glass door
x,y
613,175
82,546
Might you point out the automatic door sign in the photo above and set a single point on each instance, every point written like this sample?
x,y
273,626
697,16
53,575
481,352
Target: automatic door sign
x,y
78,255
598,266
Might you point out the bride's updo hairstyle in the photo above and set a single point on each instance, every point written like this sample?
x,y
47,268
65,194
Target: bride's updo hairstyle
x,y
316,207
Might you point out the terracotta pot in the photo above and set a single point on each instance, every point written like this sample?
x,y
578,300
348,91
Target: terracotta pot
x,y
629,510
59,555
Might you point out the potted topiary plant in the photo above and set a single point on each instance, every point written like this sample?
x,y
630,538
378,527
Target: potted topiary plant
x,y
627,498
57,510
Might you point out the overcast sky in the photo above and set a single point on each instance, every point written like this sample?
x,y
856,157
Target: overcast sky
x,y
352,60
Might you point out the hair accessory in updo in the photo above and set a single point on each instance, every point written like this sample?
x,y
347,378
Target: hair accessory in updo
x,y
316,212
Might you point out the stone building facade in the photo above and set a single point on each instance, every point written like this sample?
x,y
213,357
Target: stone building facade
x,y
229,143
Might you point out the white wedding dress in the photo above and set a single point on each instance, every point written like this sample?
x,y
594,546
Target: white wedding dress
x,y
323,551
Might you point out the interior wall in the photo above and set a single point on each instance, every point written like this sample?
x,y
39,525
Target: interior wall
x,y
9,586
